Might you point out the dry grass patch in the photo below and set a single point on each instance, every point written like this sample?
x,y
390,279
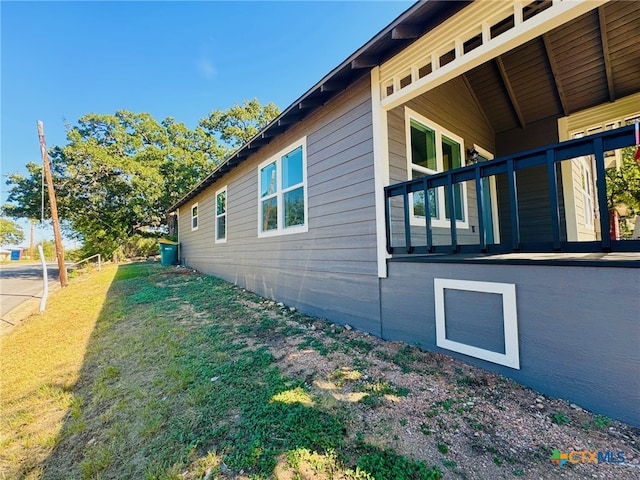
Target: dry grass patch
x,y
41,362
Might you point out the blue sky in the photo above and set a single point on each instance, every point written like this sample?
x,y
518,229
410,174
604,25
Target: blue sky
x,y
61,60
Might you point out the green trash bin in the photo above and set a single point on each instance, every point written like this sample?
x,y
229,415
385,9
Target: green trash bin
x,y
168,253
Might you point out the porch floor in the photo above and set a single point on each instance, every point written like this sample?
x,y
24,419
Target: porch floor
x,y
613,259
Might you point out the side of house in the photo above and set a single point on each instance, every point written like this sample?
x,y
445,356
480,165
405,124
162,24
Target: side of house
x,y
323,262
376,199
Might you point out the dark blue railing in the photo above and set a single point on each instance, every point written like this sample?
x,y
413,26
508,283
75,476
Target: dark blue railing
x,y
548,156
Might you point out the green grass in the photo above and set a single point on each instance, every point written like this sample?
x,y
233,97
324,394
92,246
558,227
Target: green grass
x,y
406,357
443,448
385,464
600,421
449,464
317,345
560,418
162,373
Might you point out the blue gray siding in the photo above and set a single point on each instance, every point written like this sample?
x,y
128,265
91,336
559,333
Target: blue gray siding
x,y
579,327
329,271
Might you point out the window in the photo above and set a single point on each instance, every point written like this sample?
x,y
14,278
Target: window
x,y
586,185
283,192
432,149
194,216
221,215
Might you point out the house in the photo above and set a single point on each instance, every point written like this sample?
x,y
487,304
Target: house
x,y
445,186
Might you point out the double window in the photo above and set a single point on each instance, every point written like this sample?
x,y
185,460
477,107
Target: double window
x,y
432,149
282,192
221,215
194,216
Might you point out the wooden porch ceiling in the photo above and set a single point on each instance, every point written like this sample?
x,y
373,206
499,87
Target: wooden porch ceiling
x,y
592,60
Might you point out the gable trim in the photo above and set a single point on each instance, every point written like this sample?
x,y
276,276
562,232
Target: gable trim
x,y
441,40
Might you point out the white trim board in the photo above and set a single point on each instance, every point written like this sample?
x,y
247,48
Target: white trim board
x,y
445,36
511,357
381,170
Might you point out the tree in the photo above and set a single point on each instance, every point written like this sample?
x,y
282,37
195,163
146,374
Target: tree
x,y
118,174
240,123
623,184
10,232
48,249
623,189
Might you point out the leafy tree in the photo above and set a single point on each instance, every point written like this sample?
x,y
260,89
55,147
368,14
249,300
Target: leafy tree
x,y
25,193
239,124
623,188
623,184
48,248
10,232
118,174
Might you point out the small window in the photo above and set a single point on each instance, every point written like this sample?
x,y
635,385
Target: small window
x,y
405,81
432,149
425,70
502,26
389,90
473,43
194,217
534,8
447,57
221,215
283,192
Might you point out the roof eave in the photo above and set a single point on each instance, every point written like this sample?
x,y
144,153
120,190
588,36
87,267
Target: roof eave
x,y
400,33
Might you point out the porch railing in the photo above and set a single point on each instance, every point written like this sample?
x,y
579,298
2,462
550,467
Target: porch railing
x,y
548,156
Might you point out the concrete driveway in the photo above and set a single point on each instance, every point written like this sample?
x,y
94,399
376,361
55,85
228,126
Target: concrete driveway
x,y
20,282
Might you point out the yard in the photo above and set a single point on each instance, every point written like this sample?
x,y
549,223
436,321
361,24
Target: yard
x,y
140,371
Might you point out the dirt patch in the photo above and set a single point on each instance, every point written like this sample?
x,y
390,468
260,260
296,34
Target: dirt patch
x,y
471,423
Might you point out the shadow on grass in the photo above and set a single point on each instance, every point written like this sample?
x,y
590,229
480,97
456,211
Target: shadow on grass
x,y
170,389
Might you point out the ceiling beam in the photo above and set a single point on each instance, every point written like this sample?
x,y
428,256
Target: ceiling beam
x,y
271,132
289,119
510,92
257,142
332,86
553,64
309,103
605,52
364,62
466,81
404,32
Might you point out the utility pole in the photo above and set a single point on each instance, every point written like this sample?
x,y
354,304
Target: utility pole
x,y
54,207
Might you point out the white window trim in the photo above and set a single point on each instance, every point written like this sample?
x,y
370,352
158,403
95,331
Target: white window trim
x,y
196,216
511,355
226,208
439,131
279,195
588,198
